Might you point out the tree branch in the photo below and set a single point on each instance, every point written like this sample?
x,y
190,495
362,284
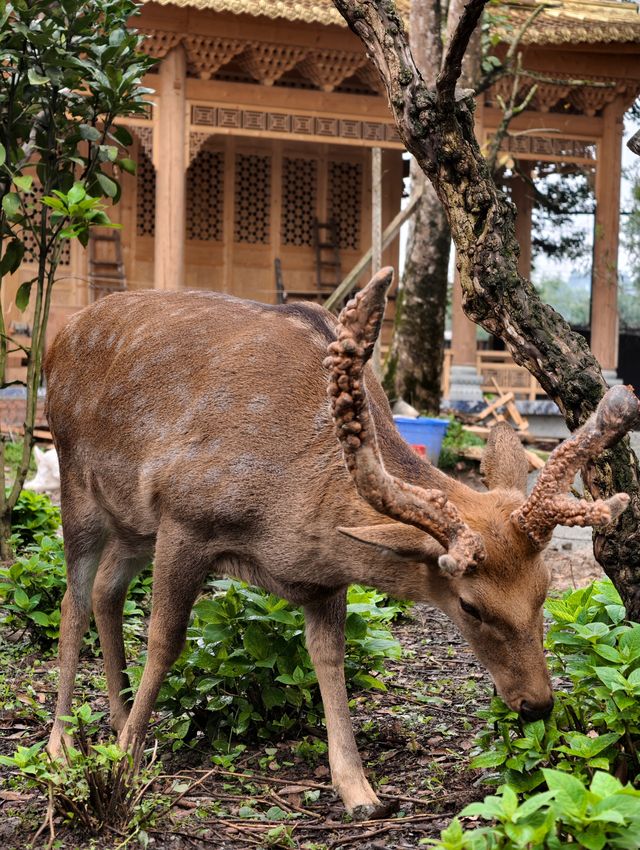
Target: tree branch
x,y
457,47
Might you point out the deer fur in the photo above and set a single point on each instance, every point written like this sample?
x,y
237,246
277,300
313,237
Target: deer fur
x,y
195,429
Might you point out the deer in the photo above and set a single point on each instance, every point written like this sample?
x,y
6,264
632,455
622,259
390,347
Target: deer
x,y
267,452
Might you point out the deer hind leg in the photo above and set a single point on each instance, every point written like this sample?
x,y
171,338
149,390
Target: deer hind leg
x,y
84,539
325,642
177,578
117,569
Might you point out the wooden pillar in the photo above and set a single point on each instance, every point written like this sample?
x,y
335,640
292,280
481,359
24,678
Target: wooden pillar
x,y
170,142
521,195
376,234
604,286
463,330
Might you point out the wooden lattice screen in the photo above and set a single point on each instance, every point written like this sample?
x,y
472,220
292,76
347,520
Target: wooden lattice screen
x,y
299,200
205,196
344,202
146,195
252,199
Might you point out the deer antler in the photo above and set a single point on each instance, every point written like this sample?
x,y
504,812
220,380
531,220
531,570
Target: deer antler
x,y
429,510
547,506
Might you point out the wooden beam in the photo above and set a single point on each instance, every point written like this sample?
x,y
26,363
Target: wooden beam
x,y
604,290
388,236
170,142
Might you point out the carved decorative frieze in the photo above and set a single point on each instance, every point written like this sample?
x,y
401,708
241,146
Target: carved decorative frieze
x,y
207,54
550,146
328,68
268,62
588,98
236,118
196,142
158,43
144,136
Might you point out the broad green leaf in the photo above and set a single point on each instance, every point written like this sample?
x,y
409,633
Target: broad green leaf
x,y
37,79
127,165
12,257
11,204
108,186
23,294
89,133
3,155
23,182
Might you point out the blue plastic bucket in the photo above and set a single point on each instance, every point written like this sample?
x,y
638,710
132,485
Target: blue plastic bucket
x,y
424,435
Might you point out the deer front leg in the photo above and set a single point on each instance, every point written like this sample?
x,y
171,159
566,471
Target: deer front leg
x,y
325,642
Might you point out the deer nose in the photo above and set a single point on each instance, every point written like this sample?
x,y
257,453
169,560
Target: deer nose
x,y
530,711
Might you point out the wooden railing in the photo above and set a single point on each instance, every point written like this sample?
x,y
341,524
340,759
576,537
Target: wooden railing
x,y
499,366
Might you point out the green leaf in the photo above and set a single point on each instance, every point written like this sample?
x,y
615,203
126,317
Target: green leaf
x,y
23,182
76,194
127,165
11,204
36,79
490,759
40,618
23,294
108,186
89,133
3,155
21,599
12,257
255,641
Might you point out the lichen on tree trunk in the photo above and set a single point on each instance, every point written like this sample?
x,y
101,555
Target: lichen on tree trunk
x,y
437,127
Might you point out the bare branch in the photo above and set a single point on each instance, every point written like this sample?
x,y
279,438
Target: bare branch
x,y
452,64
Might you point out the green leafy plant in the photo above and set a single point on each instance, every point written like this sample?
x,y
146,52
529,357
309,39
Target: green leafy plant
x,y
455,440
596,721
602,814
94,786
31,591
33,514
70,70
245,670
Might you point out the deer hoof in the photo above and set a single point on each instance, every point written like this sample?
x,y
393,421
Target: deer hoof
x,y
379,812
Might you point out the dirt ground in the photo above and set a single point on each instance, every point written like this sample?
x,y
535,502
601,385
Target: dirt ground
x,y
414,739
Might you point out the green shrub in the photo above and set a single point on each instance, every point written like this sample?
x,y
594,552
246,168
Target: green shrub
x,y
245,670
456,439
95,785
598,815
33,514
31,592
596,720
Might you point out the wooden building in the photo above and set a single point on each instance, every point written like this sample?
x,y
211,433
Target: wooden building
x,y
263,122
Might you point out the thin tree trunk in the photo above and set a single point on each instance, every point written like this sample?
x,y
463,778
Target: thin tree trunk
x,y
414,369
437,127
417,353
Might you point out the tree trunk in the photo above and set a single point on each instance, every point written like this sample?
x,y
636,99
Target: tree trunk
x,y
437,127
417,353
414,370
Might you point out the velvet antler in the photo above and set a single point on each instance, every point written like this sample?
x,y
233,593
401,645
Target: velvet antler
x,y
429,510
547,504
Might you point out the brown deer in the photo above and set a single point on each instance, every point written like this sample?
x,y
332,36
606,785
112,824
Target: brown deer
x,y
195,429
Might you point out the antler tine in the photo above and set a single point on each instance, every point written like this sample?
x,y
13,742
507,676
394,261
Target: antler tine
x,y
547,504
429,510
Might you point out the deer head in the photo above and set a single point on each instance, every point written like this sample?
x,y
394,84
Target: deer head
x,y
482,551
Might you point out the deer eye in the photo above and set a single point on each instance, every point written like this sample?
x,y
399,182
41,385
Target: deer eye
x,y
470,609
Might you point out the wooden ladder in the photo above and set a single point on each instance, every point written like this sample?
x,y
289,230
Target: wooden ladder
x,y
106,266
328,265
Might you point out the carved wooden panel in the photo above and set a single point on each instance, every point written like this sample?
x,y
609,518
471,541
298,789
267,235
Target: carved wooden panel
x,y
252,212
205,197
207,54
344,200
268,62
146,195
328,68
299,200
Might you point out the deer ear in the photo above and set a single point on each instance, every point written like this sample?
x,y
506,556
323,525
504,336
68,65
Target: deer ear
x,y
398,538
504,463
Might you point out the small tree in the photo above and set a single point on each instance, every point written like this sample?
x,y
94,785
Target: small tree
x,y
68,70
